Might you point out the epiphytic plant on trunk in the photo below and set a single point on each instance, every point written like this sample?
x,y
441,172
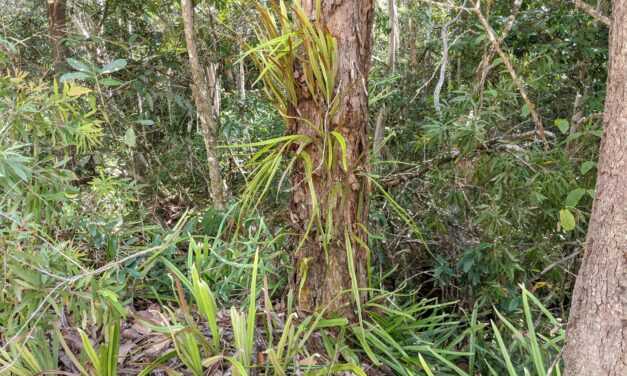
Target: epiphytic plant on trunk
x,y
313,68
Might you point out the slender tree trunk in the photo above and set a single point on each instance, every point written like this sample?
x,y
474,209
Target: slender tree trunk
x,y
342,195
204,105
379,131
413,53
57,23
596,342
241,76
571,146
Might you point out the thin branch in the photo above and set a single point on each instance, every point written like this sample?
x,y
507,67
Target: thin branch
x,y
592,13
504,143
445,5
523,93
484,67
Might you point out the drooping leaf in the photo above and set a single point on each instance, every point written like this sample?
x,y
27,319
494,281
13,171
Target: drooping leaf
x,y
574,196
587,166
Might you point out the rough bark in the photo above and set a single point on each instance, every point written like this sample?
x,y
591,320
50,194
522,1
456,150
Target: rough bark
x,y
321,276
596,342
57,23
204,106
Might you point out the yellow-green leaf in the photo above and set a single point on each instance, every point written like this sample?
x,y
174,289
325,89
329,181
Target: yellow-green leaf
x,y
567,220
77,91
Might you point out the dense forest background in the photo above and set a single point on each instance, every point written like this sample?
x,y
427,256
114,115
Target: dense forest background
x,y
152,162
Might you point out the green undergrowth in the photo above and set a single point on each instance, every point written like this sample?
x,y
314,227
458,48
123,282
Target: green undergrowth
x,y
198,305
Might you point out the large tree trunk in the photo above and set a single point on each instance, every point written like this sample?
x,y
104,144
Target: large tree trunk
x,y
204,105
596,342
57,23
321,276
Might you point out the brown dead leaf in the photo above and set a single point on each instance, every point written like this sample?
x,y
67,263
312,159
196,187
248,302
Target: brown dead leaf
x,y
131,333
309,361
125,348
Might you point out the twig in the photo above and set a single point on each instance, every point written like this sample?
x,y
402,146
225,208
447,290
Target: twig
x,y
562,260
592,13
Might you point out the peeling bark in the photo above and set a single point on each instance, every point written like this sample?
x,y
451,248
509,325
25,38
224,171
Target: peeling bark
x,y
322,276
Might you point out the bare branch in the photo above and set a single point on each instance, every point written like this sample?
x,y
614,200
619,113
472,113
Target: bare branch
x,y
523,93
445,5
484,67
592,13
503,143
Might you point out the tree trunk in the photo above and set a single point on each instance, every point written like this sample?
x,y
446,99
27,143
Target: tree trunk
x,y
57,23
342,195
204,106
241,76
596,342
379,131
413,53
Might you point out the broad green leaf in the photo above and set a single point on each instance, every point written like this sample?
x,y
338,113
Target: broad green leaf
x,y
496,62
587,166
80,66
110,82
74,76
130,138
89,349
526,110
113,66
563,125
567,220
574,196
